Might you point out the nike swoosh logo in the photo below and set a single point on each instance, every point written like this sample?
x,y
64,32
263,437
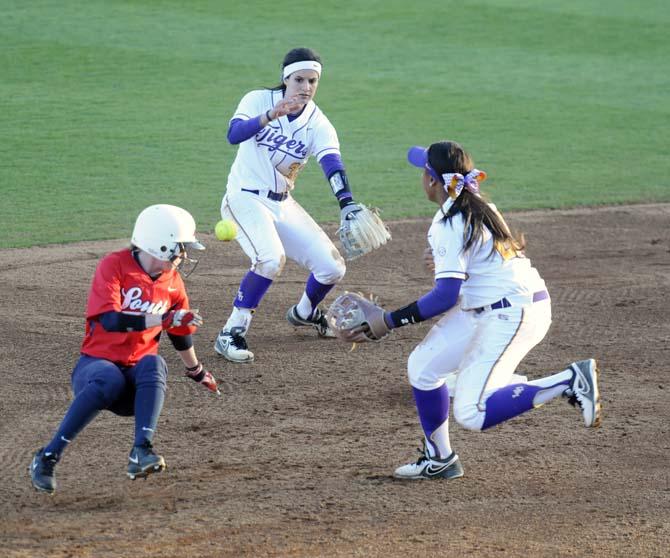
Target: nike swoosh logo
x,y
149,429
134,460
171,289
432,471
34,464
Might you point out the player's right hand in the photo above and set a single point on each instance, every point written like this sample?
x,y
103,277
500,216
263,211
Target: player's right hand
x,y
286,106
180,318
428,260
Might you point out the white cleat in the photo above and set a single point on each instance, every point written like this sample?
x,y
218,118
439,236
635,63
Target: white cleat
x,y
584,391
232,346
428,467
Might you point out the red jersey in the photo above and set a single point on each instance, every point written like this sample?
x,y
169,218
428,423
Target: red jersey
x,y
121,285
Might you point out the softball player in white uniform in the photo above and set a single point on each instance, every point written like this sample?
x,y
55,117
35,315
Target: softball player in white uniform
x,y
504,312
277,131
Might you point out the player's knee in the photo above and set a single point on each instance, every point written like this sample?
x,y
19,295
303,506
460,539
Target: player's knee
x,y
151,369
107,387
419,376
270,268
468,415
333,272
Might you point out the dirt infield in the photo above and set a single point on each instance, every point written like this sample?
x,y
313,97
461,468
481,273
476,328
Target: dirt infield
x,y
295,459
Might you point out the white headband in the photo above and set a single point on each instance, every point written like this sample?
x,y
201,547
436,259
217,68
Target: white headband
x,y
303,65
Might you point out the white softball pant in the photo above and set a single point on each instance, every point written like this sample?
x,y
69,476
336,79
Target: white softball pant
x,y
270,231
483,350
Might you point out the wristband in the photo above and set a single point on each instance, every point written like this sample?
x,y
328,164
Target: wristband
x,y
345,200
406,315
198,377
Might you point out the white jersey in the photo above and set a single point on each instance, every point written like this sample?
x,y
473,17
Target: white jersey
x,y
486,277
272,158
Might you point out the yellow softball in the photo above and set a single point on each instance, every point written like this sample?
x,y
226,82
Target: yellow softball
x,y
225,230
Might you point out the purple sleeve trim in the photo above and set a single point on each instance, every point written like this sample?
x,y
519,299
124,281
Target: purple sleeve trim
x,y
335,151
441,298
241,130
330,164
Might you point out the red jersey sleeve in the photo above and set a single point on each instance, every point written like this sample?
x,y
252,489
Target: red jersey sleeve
x,y
105,294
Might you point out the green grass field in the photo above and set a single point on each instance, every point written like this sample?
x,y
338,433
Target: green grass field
x,y
109,106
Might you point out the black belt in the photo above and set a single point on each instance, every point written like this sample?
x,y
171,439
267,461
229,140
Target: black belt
x,y
276,196
504,303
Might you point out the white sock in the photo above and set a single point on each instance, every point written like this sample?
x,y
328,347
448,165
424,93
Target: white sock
x,y
541,397
440,439
555,385
304,307
240,317
550,381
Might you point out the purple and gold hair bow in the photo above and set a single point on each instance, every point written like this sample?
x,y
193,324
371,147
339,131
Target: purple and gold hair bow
x,y
458,182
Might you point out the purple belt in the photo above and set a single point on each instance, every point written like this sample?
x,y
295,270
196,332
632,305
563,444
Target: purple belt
x,y
276,196
504,303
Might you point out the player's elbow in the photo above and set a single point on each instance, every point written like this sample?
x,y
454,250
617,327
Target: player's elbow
x,y
232,137
237,132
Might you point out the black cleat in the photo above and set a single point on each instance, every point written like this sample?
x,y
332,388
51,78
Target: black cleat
x,y
583,392
142,461
317,321
42,471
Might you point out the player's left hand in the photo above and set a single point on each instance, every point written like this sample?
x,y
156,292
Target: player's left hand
x,y
179,318
348,212
204,377
356,319
361,230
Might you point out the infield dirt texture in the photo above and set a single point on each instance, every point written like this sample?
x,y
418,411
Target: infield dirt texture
x,y
108,107
295,459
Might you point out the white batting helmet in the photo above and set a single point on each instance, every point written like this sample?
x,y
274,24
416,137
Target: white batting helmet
x,y
165,232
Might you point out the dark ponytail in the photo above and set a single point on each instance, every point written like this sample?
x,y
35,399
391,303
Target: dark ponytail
x,y
448,156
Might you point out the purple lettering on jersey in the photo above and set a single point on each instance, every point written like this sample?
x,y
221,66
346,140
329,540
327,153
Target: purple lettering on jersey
x,y
278,140
269,138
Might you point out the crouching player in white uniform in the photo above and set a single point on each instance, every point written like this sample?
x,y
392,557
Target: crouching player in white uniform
x,y
277,131
504,312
